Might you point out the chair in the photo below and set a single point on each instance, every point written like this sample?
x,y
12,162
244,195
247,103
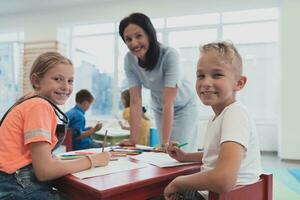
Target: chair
x,y
261,190
68,140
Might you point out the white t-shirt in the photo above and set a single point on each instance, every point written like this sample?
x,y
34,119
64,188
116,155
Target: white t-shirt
x,y
233,124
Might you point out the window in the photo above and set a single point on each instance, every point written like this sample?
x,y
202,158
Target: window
x,y
263,32
188,47
93,29
194,20
255,33
99,52
250,15
94,63
10,65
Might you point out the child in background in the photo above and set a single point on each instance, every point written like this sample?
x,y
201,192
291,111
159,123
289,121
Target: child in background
x,y
143,135
81,136
231,150
29,132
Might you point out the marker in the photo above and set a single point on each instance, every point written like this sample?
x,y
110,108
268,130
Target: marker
x,y
128,152
116,154
79,156
70,157
182,145
84,153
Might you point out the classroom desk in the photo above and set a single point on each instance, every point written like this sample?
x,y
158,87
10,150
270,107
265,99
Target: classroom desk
x,y
137,184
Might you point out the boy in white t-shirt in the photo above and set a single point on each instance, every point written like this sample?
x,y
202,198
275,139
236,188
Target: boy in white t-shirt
x,y
231,153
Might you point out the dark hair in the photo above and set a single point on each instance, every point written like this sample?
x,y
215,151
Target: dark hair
x,y
144,22
84,95
144,109
126,96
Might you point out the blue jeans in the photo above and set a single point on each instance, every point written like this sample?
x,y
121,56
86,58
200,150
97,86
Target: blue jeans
x,y
23,184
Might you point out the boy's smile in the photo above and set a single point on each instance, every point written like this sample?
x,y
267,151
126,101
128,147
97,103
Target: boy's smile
x,y
216,82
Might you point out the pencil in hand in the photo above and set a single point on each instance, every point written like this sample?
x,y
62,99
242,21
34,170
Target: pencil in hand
x,y
105,140
181,145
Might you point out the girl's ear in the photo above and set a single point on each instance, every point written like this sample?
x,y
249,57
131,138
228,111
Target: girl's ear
x,y
241,83
35,81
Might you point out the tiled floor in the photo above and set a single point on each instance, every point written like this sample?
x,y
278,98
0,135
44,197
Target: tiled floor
x,y
271,160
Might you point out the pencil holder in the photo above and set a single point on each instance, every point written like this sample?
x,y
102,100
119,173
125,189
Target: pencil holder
x,y
153,141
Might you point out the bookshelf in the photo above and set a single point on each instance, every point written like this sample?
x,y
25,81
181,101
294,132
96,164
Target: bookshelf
x,y
31,51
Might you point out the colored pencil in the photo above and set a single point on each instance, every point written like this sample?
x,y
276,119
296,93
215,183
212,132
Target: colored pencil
x,y
182,145
105,140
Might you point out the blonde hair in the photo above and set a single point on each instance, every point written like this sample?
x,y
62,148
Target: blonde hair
x,y
227,51
45,62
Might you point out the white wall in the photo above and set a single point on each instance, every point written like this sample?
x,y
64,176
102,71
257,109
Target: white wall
x,y
289,146
42,25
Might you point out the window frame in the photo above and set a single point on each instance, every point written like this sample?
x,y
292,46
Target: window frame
x,y
165,31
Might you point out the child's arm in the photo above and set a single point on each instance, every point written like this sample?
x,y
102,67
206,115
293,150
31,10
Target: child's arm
x,y
220,179
90,131
47,168
123,126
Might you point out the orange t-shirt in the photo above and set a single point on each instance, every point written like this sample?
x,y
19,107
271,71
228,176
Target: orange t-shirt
x,y
34,120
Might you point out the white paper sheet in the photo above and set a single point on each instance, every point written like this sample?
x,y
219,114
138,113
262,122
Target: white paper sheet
x,y
113,167
159,159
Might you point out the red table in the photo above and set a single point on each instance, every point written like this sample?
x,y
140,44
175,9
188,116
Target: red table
x,y
136,184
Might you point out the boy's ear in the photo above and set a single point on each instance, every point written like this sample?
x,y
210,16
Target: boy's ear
x,y
35,81
241,83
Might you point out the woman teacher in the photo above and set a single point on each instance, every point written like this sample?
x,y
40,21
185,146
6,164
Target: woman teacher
x,y
156,67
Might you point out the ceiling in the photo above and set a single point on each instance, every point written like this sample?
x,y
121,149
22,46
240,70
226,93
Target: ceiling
x,y
8,7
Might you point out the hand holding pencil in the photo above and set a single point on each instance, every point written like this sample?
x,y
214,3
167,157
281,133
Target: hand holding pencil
x,y
173,149
100,159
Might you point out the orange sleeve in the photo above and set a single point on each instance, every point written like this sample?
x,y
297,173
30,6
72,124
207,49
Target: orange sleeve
x,y
39,122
